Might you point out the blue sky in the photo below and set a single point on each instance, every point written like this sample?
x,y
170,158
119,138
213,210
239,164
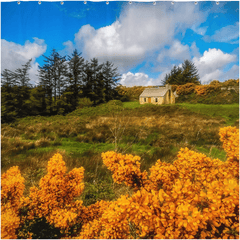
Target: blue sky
x,y
143,40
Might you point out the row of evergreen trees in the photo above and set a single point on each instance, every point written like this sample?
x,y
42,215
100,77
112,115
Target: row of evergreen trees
x,y
63,81
188,73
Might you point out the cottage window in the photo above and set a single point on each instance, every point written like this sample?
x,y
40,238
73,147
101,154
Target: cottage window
x,y
145,99
156,99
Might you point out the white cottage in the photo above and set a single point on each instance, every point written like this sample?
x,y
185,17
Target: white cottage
x,y
159,95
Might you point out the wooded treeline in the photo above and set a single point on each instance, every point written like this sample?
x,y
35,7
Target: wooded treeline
x,y
64,82
187,73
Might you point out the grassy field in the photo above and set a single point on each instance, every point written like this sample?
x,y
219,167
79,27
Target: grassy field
x,y
229,112
152,132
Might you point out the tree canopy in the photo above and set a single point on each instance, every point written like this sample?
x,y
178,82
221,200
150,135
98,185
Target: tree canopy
x,y
188,73
63,81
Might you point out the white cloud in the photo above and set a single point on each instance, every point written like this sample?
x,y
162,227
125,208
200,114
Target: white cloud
x,y
86,32
33,71
194,50
177,51
228,34
208,77
210,65
138,79
199,30
233,73
68,50
106,43
16,55
138,31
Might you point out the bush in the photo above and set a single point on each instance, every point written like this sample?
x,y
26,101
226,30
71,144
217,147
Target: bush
x,y
231,82
174,87
115,103
194,197
97,191
186,89
214,82
84,102
206,89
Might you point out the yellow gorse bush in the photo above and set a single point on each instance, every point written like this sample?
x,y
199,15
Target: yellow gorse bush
x,y
195,197
205,89
12,187
185,89
125,168
54,199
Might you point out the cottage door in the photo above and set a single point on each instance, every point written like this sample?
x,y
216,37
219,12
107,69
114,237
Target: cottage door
x,y
149,100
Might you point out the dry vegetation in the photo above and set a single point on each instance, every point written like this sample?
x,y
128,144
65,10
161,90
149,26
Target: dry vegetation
x,y
194,197
150,132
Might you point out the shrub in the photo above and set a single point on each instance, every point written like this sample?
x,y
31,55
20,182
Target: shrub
x,y
15,145
84,102
214,82
231,82
195,197
186,89
115,102
12,187
97,191
206,89
174,87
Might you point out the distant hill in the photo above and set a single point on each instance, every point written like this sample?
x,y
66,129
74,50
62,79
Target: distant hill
x,y
213,93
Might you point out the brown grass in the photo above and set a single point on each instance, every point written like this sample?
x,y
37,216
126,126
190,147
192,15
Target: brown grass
x,y
163,132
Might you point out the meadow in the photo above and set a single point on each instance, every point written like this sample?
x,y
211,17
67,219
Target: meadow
x,y
96,173
151,132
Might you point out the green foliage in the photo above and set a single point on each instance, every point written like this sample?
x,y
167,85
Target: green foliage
x,y
127,94
8,103
188,73
97,191
216,97
40,229
230,112
37,102
84,102
213,152
132,105
150,131
22,74
75,79
115,103
102,109
63,85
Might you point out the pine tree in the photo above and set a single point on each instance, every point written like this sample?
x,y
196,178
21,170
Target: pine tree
x,y
75,77
92,71
166,79
110,77
53,79
36,101
7,78
8,103
15,92
96,80
46,83
21,75
174,78
87,81
190,73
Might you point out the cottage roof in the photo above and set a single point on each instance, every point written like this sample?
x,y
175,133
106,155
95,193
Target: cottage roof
x,y
154,92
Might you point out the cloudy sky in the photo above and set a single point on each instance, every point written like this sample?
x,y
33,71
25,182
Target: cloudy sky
x,y
142,39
